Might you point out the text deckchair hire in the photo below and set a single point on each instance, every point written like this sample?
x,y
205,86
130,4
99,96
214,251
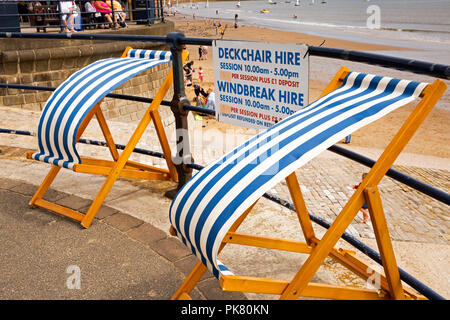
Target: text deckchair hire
x,y
71,107
207,211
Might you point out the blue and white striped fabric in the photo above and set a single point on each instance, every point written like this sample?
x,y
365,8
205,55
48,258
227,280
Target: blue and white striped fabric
x,y
149,54
206,207
75,97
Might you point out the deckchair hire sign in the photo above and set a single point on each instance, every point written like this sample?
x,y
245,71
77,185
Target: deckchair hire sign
x,y
258,84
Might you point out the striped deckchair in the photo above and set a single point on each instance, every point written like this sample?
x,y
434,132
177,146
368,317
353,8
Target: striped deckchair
x,y
207,210
72,106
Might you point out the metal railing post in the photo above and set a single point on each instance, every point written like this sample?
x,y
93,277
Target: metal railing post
x,y
147,12
183,157
162,10
60,15
114,18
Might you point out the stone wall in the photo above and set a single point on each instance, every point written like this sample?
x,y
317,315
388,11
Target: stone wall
x,y
45,62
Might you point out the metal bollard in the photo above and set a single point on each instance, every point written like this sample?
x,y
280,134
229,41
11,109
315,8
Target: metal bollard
x,y
183,158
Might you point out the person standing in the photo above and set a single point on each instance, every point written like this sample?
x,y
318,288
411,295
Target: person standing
x,y
188,70
67,18
200,74
205,52
200,51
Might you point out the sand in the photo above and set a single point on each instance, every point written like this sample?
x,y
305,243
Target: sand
x,y
430,140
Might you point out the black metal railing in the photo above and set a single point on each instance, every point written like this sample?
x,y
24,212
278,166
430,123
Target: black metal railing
x,y
180,107
41,15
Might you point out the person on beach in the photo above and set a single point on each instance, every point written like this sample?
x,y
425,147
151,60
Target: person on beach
x,y
200,96
348,138
218,25
188,66
205,52
364,208
200,51
210,102
222,32
200,74
189,71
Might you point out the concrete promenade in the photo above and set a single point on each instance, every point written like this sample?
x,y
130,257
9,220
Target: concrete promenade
x,y
127,253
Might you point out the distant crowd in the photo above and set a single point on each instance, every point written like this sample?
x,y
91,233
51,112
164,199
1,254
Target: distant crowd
x,y
77,14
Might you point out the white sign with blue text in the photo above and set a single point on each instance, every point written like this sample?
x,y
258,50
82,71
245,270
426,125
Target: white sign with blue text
x,y
257,84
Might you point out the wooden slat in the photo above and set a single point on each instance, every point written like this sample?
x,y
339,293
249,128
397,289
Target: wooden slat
x,y
316,290
107,134
129,165
361,268
126,173
45,185
300,207
336,81
267,242
381,231
60,209
184,296
190,282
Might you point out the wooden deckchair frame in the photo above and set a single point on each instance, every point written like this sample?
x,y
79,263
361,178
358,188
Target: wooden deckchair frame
x,y
318,249
120,166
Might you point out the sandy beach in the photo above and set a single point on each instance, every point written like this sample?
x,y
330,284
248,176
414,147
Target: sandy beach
x,y
430,140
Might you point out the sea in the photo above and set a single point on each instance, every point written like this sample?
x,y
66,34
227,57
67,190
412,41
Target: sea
x,y
416,24
421,26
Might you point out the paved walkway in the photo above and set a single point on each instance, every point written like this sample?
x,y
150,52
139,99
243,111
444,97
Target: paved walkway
x,y
127,252
118,257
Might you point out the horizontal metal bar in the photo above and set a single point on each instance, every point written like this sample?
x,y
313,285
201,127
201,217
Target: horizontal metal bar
x,y
200,110
412,65
109,95
396,175
86,36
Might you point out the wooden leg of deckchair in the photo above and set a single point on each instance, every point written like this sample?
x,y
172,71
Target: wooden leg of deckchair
x,y
192,279
107,134
87,119
384,243
164,144
45,185
115,172
431,94
300,207
336,81
121,162
190,282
